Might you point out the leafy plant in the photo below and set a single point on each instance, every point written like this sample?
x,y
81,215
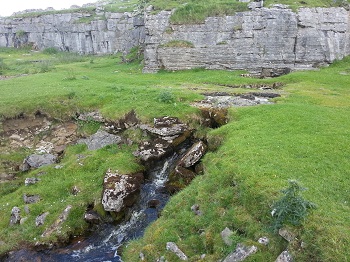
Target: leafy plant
x,y
291,208
166,97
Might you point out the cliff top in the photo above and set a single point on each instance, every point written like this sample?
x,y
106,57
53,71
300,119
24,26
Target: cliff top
x,y
188,11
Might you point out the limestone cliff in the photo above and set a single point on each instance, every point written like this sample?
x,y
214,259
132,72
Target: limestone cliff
x,y
268,40
104,33
264,40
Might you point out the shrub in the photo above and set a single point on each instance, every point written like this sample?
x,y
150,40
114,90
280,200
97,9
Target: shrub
x,y
166,97
291,208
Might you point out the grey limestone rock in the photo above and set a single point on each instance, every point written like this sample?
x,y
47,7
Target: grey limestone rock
x,y
100,139
120,190
31,199
31,181
272,39
15,216
193,155
57,224
40,220
241,253
171,246
36,161
285,256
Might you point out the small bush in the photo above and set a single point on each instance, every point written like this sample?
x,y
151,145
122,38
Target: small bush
x,y
166,97
291,208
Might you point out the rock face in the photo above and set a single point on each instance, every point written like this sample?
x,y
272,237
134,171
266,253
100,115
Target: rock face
x,y
120,191
101,33
266,40
269,41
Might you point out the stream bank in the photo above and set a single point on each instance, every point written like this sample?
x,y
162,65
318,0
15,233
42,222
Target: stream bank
x,y
165,135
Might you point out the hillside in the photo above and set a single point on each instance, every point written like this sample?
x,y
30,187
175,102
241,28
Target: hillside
x,y
303,136
274,175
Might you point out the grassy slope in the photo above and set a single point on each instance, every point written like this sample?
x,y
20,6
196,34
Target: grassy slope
x,y
304,136
73,84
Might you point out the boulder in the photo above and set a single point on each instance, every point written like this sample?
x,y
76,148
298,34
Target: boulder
x,y
168,132
31,199
31,181
153,150
285,256
40,220
92,217
193,155
100,139
264,241
120,190
241,253
15,216
196,210
36,161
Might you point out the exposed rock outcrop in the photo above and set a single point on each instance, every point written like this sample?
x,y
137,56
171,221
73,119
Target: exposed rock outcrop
x,y
56,226
15,216
87,33
100,139
168,132
36,161
241,253
171,246
120,190
270,41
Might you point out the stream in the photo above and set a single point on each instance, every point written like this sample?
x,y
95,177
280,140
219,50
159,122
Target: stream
x,y
104,243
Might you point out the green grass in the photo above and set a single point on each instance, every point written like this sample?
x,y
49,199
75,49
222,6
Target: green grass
x,y
194,11
304,136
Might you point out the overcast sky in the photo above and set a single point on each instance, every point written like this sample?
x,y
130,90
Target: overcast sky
x,y
8,7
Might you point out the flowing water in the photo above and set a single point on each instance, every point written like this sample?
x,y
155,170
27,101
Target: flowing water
x,y
103,245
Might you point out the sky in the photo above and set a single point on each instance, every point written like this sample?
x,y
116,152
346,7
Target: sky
x,y
8,7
